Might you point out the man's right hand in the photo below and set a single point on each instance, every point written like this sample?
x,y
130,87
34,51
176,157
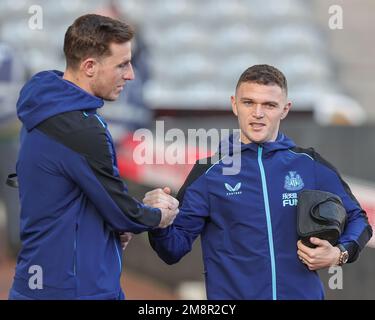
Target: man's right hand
x,y
161,198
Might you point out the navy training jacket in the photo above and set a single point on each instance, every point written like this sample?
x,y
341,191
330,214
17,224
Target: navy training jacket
x,y
73,202
247,220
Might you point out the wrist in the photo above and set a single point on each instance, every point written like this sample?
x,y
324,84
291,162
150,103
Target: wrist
x,y
344,255
337,255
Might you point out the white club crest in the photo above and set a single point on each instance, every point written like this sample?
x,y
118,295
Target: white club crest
x,y
293,181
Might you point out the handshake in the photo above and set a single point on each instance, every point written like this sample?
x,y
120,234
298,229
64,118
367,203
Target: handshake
x,y
161,198
157,198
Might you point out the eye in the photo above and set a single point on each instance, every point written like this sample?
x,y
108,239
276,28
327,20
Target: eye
x,y
123,65
247,102
271,105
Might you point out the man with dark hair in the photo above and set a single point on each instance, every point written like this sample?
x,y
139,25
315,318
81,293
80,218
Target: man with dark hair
x,y
248,230
74,204
264,74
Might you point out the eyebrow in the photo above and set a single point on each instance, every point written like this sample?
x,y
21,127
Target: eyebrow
x,y
124,61
264,102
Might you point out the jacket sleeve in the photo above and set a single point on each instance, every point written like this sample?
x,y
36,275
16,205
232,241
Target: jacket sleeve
x,y
172,243
92,167
357,231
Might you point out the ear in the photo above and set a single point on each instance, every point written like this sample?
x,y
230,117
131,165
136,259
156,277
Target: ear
x,y
234,105
286,109
89,67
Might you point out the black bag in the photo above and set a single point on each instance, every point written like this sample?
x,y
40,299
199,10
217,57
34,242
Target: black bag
x,y
320,214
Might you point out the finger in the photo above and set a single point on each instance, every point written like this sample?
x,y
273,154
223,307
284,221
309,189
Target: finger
x,y
168,217
302,247
310,262
126,236
167,190
124,244
171,202
303,260
307,264
165,193
303,257
307,250
152,197
158,203
162,201
158,190
309,258
165,218
319,242
161,195
312,267
176,203
172,220
125,239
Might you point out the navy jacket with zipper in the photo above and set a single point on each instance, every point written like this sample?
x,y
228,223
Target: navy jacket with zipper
x,y
73,202
244,208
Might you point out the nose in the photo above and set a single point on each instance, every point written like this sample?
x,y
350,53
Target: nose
x,y
258,111
129,73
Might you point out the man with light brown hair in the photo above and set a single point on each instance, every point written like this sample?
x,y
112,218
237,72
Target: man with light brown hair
x,y
73,201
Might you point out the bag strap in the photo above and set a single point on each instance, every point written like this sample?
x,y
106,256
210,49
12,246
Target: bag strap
x,y
314,211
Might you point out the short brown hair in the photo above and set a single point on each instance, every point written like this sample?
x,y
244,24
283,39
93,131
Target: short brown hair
x,y
91,35
264,74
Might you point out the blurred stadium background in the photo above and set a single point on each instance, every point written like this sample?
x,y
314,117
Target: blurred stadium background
x,y
188,55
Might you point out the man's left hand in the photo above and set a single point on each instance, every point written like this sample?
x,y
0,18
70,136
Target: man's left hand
x,y
125,238
323,256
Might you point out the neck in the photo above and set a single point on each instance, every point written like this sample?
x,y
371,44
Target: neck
x,y
77,80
